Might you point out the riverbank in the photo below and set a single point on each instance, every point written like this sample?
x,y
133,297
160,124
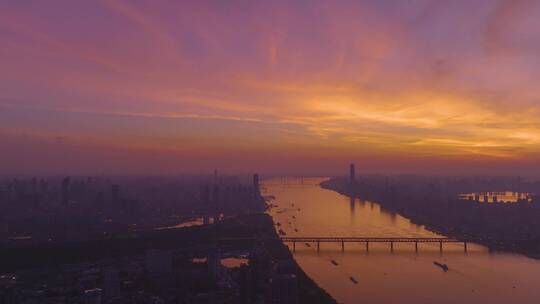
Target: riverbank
x,y
308,291
529,248
245,232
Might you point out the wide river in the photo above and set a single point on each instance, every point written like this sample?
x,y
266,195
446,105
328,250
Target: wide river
x,y
478,276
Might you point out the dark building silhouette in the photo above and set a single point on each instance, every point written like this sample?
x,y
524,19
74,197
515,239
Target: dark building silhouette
x,y
205,195
111,283
245,285
7,295
352,174
65,190
261,269
284,284
215,196
100,202
115,192
256,186
214,263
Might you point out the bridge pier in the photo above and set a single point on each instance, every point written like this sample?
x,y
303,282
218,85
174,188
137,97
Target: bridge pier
x,y
367,246
440,247
342,246
318,246
465,247
294,246
391,246
416,247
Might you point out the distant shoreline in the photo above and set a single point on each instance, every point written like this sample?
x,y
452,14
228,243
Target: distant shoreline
x,y
506,247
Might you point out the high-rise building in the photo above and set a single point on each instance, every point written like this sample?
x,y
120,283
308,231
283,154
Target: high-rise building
x,y
352,174
111,283
215,197
256,186
214,263
205,194
115,191
65,190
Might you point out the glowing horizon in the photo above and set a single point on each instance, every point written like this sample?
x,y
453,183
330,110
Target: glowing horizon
x,y
139,86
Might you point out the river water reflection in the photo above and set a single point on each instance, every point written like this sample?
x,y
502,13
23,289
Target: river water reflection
x,y
478,276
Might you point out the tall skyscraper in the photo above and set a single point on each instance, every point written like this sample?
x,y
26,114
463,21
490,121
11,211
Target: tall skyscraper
x,y
214,263
256,182
352,174
215,197
65,190
205,195
115,191
111,283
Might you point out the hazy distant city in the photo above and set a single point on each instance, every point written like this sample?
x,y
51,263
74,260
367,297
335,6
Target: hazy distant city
x,y
210,239
269,152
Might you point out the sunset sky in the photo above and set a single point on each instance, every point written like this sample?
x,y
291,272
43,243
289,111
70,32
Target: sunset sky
x,y
271,86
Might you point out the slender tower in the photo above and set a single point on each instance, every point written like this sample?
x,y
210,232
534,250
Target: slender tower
x,y
115,195
65,190
256,183
352,174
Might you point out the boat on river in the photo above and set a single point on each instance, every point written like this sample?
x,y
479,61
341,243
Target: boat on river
x,y
444,267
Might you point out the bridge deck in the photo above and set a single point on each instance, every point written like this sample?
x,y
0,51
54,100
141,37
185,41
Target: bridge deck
x,y
354,239
372,239
366,240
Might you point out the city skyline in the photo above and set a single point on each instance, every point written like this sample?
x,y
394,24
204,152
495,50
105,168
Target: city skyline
x,y
269,152
115,87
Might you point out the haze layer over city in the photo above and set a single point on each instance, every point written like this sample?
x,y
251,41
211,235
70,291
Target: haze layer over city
x,y
269,151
